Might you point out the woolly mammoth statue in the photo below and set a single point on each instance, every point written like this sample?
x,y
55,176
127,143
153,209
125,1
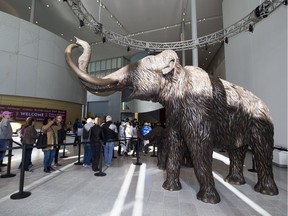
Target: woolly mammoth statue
x,y
201,112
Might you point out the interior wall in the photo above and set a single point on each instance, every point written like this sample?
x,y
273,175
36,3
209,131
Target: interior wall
x,y
258,60
217,66
109,105
32,63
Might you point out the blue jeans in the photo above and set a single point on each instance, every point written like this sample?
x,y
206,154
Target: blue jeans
x,y
3,144
87,153
108,152
48,158
28,153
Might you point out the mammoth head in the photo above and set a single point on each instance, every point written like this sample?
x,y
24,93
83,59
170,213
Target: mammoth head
x,y
145,77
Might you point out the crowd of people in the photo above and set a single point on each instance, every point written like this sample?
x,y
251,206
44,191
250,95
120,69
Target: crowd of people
x,y
98,135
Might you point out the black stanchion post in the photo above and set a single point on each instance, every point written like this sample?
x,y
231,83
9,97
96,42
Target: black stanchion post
x,y
100,173
113,155
137,154
253,165
21,194
153,155
8,174
64,149
79,153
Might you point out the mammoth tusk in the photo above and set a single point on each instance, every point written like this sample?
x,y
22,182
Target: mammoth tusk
x,y
95,90
84,59
83,74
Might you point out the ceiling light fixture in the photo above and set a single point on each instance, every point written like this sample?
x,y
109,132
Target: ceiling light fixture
x,y
251,28
81,23
104,39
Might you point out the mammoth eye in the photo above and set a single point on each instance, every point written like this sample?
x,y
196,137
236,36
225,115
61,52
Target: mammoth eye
x,y
149,60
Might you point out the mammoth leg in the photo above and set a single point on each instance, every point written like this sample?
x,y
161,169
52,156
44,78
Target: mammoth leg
x,y
262,148
172,181
237,157
162,154
202,160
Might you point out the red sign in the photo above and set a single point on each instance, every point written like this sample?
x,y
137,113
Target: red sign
x,y
21,113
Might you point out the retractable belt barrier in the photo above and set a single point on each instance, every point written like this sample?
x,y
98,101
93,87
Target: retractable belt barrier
x,y
21,194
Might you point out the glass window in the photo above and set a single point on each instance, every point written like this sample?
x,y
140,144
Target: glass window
x,y
119,64
114,63
108,64
91,67
103,64
97,66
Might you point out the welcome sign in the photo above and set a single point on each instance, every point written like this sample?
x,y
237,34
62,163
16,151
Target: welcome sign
x,y
21,113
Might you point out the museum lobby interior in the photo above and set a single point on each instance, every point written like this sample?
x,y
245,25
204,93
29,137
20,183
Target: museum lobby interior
x,y
243,42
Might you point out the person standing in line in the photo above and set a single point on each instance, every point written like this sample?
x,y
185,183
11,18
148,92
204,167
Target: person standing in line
x,y
96,140
110,134
135,129
76,128
128,135
144,131
20,132
61,138
50,127
86,142
29,139
122,138
5,133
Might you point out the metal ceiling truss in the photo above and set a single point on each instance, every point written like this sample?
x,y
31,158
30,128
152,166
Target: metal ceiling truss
x,y
245,24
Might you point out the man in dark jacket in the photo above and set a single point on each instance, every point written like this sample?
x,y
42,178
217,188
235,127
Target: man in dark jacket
x,y
110,134
61,138
96,141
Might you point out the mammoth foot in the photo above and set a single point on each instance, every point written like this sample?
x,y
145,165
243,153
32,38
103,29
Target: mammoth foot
x,y
172,185
209,196
161,166
267,189
235,179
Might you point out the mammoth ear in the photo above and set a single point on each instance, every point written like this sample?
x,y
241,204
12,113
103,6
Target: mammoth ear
x,y
170,67
169,59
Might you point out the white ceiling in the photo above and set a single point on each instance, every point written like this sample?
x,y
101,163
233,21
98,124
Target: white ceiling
x,y
147,17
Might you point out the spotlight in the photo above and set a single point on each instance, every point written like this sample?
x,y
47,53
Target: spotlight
x,y
251,28
128,48
81,23
257,11
226,40
104,39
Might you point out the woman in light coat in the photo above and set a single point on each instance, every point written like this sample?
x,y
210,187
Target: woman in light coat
x,y
50,127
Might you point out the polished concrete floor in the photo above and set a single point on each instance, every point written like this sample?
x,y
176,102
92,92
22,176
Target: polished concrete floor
x,y
129,189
